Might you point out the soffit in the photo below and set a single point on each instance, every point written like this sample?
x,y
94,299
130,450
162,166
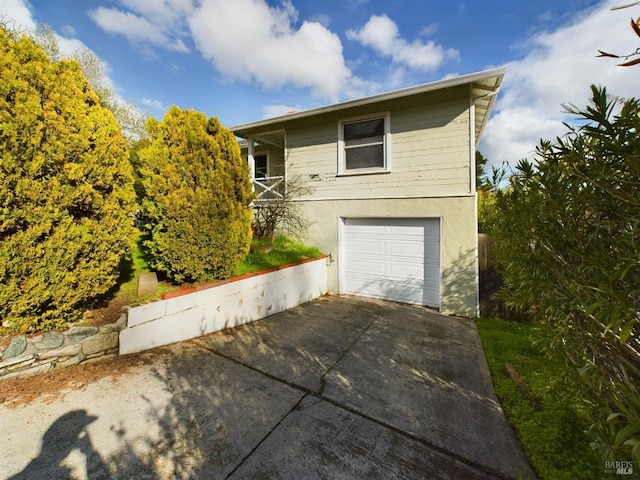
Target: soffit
x,y
484,87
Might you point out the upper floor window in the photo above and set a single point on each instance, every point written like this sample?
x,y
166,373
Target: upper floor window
x,y
363,145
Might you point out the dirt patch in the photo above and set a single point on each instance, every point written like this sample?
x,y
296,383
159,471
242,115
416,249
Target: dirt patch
x,y
48,387
108,312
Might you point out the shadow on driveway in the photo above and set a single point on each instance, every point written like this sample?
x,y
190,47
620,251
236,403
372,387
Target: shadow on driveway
x,y
339,387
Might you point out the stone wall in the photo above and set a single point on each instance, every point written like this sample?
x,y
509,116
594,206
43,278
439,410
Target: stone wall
x,y
39,354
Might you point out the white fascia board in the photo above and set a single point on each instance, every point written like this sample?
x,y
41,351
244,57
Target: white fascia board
x,y
497,73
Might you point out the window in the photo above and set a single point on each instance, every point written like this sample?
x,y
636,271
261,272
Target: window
x,y
261,162
364,145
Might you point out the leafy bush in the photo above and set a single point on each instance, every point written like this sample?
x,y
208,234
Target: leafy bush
x,y
66,194
197,193
566,236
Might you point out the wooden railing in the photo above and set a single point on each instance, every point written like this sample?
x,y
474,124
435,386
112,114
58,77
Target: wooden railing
x,y
269,188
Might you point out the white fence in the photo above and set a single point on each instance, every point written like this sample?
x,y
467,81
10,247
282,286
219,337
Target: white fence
x,y
234,302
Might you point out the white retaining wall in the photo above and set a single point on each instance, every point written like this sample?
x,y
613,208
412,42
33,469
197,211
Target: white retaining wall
x,y
235,302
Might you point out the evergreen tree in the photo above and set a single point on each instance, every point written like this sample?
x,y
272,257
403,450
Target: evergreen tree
x,y
196,197
66,189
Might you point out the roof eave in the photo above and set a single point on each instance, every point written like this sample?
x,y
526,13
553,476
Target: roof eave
x,y
487,79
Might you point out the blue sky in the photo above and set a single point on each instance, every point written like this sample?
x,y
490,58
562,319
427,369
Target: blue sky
x,y
244,60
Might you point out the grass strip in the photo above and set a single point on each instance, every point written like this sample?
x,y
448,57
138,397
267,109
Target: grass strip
x,y
548,420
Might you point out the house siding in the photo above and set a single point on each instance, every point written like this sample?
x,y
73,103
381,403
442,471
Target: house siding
x,y
429,155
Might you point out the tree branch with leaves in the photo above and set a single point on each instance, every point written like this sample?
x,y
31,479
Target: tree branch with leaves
x,y
632,58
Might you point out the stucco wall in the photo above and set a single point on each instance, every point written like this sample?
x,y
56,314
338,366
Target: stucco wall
x,y
458,242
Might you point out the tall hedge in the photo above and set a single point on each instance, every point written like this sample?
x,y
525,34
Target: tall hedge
x,y
566,234
196,197
66,191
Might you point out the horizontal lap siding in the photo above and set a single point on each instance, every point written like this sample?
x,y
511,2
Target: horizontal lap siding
x,y
312,151
429,156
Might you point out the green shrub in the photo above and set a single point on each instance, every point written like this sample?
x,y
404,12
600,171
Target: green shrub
x,y
566,236
66,194
196,193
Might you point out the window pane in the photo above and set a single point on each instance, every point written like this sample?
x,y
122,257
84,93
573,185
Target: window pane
x,y
365,157
366,129
261,165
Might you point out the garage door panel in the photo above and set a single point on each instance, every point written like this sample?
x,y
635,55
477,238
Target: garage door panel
x,y
388,289
406,249
363,268
395,259
369,246
407,272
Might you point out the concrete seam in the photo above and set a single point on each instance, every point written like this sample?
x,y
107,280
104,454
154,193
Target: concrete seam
x,y
246,457
439,450
478,467
323,378
304,390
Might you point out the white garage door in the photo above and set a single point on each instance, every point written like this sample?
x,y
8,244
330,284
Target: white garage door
x,y
394,259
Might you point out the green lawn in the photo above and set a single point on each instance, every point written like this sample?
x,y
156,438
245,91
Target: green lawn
x,y
282,251
552,428
263,255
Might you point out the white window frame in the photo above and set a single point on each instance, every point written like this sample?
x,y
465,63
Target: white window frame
x,y
386,167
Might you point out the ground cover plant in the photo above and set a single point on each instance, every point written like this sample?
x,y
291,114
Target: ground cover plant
x,y
550,421
265,254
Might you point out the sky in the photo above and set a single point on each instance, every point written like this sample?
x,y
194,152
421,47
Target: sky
x,y
245,60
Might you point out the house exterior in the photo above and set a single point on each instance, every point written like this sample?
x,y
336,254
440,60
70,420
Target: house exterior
x,y
392,196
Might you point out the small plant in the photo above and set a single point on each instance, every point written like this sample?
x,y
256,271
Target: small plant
x,y
281,213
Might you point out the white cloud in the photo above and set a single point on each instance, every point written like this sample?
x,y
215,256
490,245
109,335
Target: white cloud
x,y
429,30
253,42
135,28
382,35
18,14
558,68
69,46
68,30
166,13
246,40
271,111
154,104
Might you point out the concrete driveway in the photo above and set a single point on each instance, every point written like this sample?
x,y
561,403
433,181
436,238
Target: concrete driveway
x,y
338,388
